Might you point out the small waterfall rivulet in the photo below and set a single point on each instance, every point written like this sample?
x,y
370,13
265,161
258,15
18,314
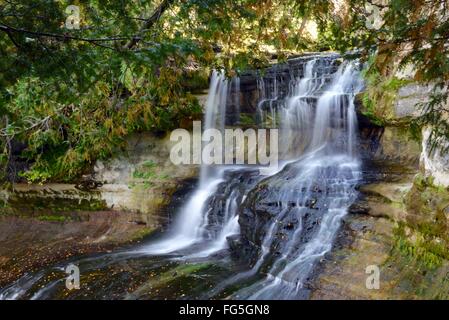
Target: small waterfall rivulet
x,y
280,225
196,222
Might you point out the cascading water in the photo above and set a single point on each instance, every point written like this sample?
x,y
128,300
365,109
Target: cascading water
x,y
298,210
313,192
287,221
190,226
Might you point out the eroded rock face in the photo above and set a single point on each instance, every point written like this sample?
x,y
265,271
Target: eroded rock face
x,y
143,151
435,163
391,143
142,180
363,241
408,98
367,237
277,79
231,192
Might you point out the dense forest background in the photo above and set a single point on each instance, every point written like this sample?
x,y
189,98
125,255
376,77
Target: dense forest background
x,y
71,90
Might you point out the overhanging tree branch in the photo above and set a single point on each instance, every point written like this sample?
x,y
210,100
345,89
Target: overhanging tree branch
x,y
150,22
7,28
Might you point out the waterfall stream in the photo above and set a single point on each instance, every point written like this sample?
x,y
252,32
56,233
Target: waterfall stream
x,y
288,220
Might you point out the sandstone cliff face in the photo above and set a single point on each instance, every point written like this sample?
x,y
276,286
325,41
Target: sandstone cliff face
x,y
435,163
143,178
140,179
393,101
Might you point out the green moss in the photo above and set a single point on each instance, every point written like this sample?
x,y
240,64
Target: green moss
x,y
149,164
146,175
421,242
3,204
247,119
142,233
416,252
422,265
164,279
143,175
426,197
164,176
146,171
380,96
148,184
370,110
29,203
97,205
132,185
54,218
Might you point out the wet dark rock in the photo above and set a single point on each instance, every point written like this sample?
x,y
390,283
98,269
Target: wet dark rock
x,y
139,222
88,184
279,75
359,207
240,248
290,226
311,203
258,214
233,188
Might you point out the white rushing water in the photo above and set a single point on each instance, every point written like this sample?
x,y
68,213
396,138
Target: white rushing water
x,y
190,226
325,175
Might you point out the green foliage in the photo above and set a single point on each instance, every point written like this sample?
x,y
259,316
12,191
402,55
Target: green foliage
x,y
370,110
143,175
72,96
247,120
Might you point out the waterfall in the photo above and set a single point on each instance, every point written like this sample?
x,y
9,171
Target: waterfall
x,y
317,187
288,220
191,225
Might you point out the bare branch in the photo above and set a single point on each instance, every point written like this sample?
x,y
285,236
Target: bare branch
x,y
150,22
62,37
